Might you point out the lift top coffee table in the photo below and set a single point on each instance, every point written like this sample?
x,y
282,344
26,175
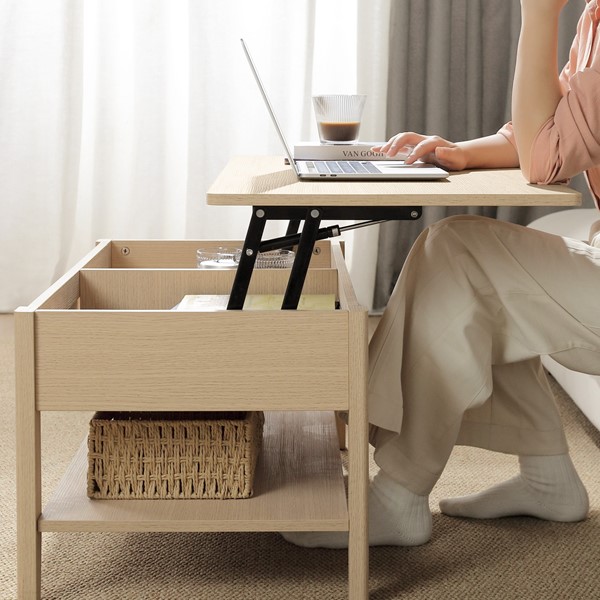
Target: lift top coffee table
x,y
104,337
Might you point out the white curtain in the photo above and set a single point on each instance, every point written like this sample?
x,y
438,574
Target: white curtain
x,y
117,115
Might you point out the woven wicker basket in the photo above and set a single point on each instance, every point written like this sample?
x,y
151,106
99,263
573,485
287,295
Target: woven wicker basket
x,y
173,455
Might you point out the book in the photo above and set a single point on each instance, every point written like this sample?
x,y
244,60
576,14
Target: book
x,y
317,151
218,302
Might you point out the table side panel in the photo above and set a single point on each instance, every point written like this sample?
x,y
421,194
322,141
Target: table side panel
x,y
181,254
64,293
162,289
348,299
233,360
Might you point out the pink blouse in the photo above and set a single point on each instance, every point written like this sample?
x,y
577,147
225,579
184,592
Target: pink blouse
x,y
569,142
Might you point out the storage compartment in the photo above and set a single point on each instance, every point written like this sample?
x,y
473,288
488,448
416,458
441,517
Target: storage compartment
x,y
173,455
107,337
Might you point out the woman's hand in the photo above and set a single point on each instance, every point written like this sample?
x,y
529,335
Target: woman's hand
x,y
428,148
489,152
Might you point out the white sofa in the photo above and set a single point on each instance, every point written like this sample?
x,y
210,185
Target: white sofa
x,y
583,388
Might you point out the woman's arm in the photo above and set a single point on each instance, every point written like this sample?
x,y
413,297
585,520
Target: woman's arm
x,y
536,86
536,94
490,152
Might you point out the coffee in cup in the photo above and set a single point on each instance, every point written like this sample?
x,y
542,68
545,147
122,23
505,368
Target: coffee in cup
x,y
338,117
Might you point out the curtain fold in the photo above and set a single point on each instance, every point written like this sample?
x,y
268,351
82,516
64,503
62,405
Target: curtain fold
x,y
117,115
451,64
40,128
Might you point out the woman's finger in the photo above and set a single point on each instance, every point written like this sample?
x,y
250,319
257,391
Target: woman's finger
x,y
425,148
401,142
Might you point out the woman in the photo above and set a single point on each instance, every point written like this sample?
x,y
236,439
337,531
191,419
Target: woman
x,y
456,357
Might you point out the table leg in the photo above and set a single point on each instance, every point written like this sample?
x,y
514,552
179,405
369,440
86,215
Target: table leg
x,y
358,459
29,496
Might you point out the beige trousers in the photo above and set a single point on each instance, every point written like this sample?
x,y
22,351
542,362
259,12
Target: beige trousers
x,y
456,356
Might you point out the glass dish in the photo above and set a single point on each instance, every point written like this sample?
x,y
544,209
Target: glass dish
x,y
275,259
218,258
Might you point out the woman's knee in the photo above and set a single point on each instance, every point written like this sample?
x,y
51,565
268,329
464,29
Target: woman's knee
x,y
464,229
454,229
461,221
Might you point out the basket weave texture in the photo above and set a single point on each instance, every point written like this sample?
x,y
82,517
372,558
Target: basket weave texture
x,y
173,455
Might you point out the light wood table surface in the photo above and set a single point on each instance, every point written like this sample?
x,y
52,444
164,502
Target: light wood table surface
x,y
268,181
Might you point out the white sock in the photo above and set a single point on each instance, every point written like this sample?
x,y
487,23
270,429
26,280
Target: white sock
x,y
548,487
397,517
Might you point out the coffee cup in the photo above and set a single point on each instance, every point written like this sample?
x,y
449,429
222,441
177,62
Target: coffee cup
x,y
339,117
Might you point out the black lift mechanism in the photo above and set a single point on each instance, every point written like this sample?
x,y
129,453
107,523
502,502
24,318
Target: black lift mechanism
x,y
305,240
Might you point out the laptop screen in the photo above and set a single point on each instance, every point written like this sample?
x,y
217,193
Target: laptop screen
x,y
261,87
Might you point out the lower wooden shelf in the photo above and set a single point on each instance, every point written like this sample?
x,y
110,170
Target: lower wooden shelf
x,y
299,486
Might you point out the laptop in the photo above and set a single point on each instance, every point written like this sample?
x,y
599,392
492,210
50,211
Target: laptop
x,y
394,170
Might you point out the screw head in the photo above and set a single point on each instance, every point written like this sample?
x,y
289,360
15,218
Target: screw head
x,y
260,213
125,251
249,252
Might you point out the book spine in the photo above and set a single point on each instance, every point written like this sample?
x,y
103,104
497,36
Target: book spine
x,y
339,152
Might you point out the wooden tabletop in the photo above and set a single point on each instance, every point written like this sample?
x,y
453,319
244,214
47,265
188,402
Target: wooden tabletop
x,y
268,181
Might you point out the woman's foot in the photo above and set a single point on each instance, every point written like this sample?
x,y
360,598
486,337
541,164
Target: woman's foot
x,y
548,487
397,517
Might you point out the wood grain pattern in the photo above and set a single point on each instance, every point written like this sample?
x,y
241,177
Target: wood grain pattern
x,y
65,292
162,289
135,360
29,495
266,180
181,254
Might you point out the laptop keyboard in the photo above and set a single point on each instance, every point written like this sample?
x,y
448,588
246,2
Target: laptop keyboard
x,y
341,167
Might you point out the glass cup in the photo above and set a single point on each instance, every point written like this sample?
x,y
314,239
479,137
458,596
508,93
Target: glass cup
x,y
338,117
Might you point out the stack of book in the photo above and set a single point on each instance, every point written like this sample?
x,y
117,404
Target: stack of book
x,y
357,151
218,302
